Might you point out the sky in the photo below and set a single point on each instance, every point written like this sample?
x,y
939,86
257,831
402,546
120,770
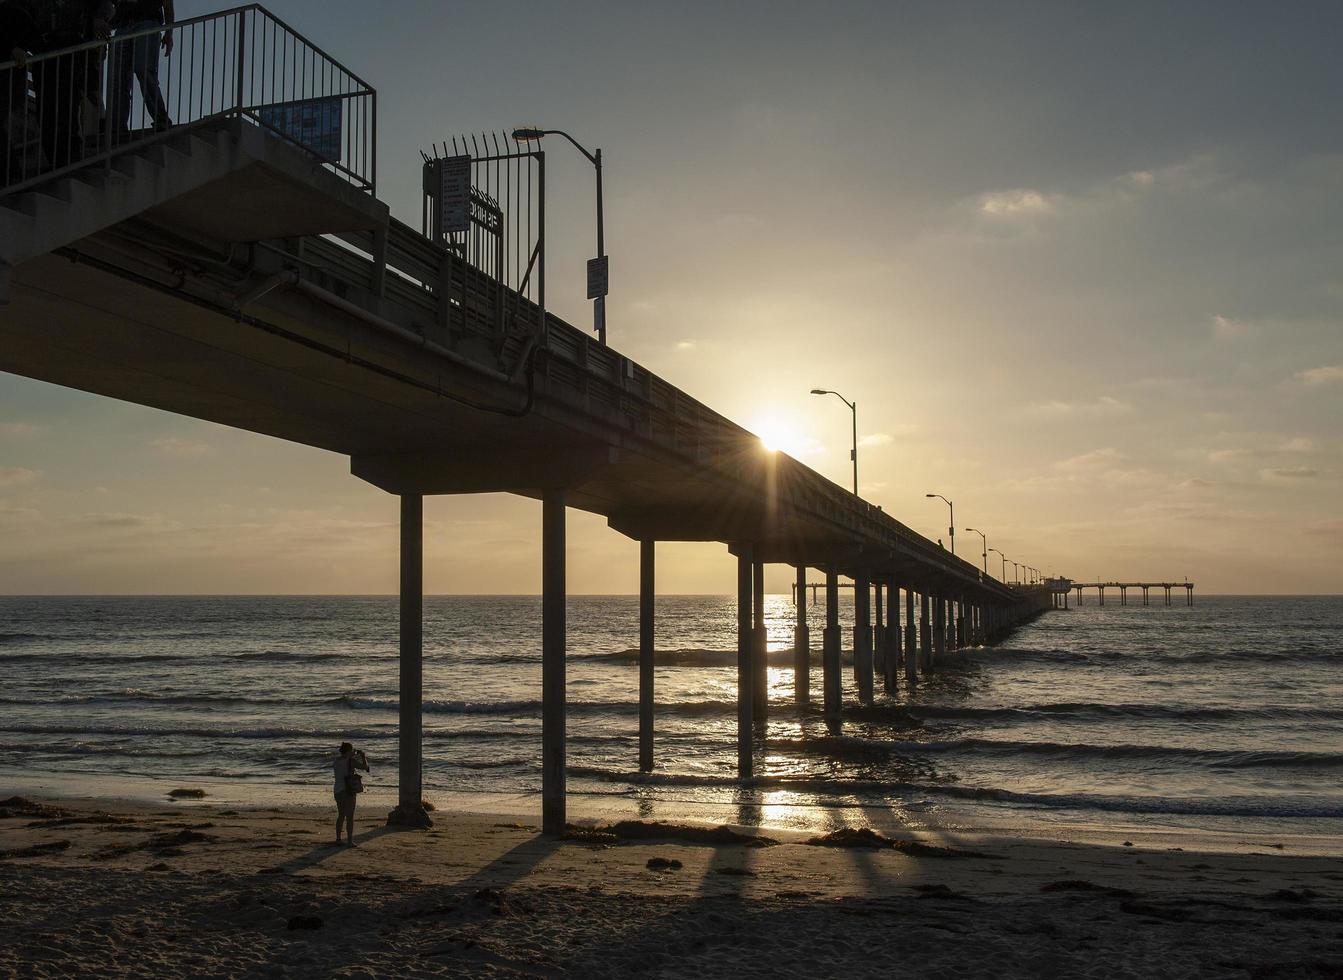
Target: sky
x,y
1079,265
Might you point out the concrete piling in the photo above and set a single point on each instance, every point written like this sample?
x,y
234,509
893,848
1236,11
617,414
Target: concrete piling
x,y
801,642
862,639
410,753
646,653
745,674
553,642
830,659
911,641
925,634
760,651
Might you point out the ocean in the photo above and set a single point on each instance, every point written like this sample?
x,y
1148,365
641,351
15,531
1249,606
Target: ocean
x,y
1227,716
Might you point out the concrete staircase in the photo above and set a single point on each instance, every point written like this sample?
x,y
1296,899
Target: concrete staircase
x,y
41,219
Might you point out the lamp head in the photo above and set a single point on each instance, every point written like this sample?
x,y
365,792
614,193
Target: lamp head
x,y
930,495
527,134
819,391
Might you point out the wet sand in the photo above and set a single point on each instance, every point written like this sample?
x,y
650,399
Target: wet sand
x,y
114,888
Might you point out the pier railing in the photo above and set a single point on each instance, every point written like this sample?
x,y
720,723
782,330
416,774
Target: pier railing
x,y
72,108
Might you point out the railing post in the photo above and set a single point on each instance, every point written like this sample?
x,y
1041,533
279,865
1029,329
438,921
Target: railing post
x,y
242,55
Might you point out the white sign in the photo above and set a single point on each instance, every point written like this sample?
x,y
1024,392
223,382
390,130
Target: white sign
x,y
599,279
454,194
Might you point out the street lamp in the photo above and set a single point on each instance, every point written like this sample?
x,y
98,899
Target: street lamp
x,y
1002,575
952,529
853,407
1016,572
985,542
598,280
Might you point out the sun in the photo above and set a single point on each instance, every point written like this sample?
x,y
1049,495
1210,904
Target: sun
x,y
776,435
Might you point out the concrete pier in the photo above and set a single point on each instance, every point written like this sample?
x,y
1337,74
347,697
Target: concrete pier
x,y
830,648
878,628
409,811
745,673
890,644
911,641
553,650
862,639
760,648
646,655
925,634
801,641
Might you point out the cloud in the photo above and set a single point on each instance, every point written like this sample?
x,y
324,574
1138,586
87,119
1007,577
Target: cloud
x,y
1105,405
1300,444
1139,178
1330,374
1018,203
875,439
17,476
181,448
1092,460
1195,483
1225,328
685,345
19,430
1290,473
1229,455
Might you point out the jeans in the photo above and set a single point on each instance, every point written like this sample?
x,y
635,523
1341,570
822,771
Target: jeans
x,y
138,57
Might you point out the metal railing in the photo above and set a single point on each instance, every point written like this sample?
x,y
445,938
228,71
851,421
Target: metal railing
x,y
72,108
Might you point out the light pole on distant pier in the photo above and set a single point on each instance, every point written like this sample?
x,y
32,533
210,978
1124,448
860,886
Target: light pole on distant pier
x,y
952,529
1002,575
853,407
598,279
985,543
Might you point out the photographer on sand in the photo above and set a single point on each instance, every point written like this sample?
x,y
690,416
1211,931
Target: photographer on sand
x,y
348,785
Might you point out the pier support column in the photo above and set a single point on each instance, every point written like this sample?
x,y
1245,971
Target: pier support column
x,y
862,638
939,630
878,629
745,673
832,680
925,635
760,652
961,640
646,653
890,642
409,810
801,643
553,644
911,641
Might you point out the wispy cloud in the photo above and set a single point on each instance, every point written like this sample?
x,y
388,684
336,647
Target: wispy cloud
x,y
1105,405
20,430
876,439
1227,328
17,476
1017,203
1329,374
181,448
1290,473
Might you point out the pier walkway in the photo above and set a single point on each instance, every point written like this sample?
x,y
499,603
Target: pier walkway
x,y
240,268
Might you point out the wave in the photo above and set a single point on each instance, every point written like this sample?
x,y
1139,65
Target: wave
x,y
133,695
1197,657
918,713
7,638
1229,806
693,709
287,656
1067,751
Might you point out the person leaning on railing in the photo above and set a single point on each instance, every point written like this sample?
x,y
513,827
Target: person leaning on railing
x,y
64,81
139,58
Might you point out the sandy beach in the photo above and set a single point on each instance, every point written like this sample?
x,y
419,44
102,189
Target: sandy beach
x,y
113,888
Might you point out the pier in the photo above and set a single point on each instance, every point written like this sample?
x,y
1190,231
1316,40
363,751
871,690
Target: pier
x,y
1145,587
240,268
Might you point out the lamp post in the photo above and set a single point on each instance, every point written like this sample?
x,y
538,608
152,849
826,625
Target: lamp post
x,y
1002,575
985,542
1016,572
951,531
597,268
853,407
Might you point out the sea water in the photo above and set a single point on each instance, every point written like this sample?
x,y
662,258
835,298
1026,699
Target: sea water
x,y
1227,715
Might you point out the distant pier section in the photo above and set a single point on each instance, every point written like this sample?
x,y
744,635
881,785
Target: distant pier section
x,y
1123,587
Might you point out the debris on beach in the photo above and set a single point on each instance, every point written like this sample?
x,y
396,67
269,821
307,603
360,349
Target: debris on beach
x,y
1078,885
714,836
187,794
35,850
867,837
664,864
18,806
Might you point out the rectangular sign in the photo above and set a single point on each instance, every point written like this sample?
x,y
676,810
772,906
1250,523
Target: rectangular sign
x,y
599,279
454,194
314,124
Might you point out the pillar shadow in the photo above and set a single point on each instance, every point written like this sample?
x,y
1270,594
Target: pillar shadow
x,y
514,864
320,852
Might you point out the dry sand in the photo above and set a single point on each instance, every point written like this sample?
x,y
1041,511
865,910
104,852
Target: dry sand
x,y
118,889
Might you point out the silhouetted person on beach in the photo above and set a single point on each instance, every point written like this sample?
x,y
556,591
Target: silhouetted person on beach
x,y
348,786
139,58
